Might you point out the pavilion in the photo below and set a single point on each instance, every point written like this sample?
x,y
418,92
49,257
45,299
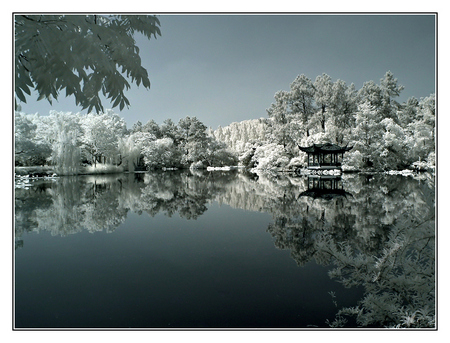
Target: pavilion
x,y
325,156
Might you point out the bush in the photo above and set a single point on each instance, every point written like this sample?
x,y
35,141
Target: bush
x,y
271,157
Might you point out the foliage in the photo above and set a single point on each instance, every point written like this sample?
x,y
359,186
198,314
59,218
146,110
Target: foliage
x,y
29,149
75,143
161,153
81,54
385,135
381,238
66,147
270,157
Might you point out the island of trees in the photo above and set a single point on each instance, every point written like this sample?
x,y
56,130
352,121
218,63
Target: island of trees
x,y
385,134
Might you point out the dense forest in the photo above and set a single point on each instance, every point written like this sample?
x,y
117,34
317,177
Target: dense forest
x,y
384,134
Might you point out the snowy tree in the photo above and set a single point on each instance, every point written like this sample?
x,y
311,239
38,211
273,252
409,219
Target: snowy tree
x,y
302,92
101,136
170,130
382,96
392,152
282,119
193,140
367,134
342,108
29,149
271,157
81,54
420,129
153,128
371,93
137,127
161,153
323,95
408,111
131,148
238,135
390,89
66,146
218,155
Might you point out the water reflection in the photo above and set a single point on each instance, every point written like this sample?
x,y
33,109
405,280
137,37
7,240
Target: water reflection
x,y
381,238
327,187
376,231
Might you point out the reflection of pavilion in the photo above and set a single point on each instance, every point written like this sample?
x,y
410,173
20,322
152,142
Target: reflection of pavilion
x,y
325,187
325,156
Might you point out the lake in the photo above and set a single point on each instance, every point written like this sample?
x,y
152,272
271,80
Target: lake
x,y
206,250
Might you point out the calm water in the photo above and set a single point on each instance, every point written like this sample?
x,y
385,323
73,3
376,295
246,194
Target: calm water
x,y
222,250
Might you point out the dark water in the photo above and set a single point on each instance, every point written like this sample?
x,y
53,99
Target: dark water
x,y
224,250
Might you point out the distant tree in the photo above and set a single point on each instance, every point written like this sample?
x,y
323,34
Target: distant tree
x,y
421,130
170,130
29,148
281,115
323,95
367,134
342,108
193,140
302,92
408,111
137,127
161,153
382,96
371,93
101,134
217,154
66,145
81,54
131,147
390,89
153,128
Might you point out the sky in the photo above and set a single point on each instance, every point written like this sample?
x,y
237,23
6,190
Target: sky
x,y
226,68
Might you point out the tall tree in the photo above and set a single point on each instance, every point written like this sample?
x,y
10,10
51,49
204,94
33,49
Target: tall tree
x,y
81,54
323,94
408,111
193,140
342,108
280,113
390,89
302,93
367,134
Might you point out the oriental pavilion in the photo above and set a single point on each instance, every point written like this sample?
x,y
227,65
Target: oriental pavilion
x,y
325,156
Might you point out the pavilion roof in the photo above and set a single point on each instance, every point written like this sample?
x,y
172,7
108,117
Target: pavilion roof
x,y
325,148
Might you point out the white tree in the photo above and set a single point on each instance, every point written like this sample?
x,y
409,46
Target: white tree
x,y
323,95
367,134
161,153
29,149
101,136
131,148
66,143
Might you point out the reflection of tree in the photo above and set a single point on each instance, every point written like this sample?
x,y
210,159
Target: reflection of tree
x,y
81,203
95,203
27,200
183,194
381,238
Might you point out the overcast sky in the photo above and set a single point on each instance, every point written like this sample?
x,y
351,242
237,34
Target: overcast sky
x,y
227,68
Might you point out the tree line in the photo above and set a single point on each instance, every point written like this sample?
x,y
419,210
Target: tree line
x,y
76,143
384,133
